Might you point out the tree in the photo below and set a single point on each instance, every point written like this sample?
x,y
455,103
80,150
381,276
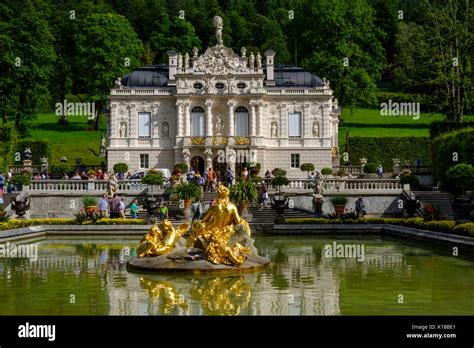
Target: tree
x,y
26,61
107,49
346,45
173,34
449,27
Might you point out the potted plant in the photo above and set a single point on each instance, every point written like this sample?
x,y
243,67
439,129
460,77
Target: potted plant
x,y
90,204
307,167
20,180
280,203
3,214
341,172
408,178
185,192
339,203
183,167
153,178
459,179
370,169
121,169
242,193
326,172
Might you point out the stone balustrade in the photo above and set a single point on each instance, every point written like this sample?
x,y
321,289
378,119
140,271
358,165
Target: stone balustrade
x,y
84,186
344,186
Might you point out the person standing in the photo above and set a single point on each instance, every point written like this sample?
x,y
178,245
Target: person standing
x,y
2,181
360,207
245,174
380,171
115,207
229,177
103,206
263,194
196,208
134,209
210,179
318,205
163,211
122,209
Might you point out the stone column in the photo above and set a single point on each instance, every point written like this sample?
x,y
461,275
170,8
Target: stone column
x,y
187,120
208,118
208,153
260,119
230,107
253,105
132,127
154,121
179,119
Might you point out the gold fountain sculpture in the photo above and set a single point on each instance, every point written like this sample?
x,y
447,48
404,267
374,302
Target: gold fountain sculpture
x,y
218,234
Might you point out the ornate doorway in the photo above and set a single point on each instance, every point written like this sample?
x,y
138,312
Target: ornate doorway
x,y
219,167
197,164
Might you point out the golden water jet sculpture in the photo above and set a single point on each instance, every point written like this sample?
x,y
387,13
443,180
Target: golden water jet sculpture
x,y
222,234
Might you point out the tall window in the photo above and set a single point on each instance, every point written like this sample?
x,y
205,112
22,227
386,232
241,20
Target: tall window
x,y
144,161
144,129
295,160
294,124
197,122
241,122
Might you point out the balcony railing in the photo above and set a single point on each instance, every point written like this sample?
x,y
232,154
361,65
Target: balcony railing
x,y
344,186
84,186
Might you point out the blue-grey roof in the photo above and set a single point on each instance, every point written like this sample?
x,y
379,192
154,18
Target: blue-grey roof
x,y
291,76
149,76
157,76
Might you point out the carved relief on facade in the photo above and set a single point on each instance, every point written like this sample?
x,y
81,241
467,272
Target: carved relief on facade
x,y
165,130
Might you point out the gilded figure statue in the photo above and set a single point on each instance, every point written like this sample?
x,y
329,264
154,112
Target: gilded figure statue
x,y
222,233
161,239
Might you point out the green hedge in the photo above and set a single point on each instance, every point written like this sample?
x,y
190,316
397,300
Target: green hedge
x,y
439,127
446,226
11,224
39,148
443,147
381,150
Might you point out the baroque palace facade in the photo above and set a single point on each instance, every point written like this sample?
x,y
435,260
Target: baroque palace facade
x,y
221,109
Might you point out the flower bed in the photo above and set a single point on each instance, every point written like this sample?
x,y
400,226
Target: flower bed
x,y
446,226
11,224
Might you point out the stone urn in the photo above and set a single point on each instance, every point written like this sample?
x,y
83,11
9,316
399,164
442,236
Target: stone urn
x,y
187,208
90,209
20,207
462,207
411,206
279,204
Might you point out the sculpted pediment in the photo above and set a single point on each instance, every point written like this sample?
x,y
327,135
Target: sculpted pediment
x,y
220,60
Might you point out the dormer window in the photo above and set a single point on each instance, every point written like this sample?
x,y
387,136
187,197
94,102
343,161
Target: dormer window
x,y
219,85
241,85
197,85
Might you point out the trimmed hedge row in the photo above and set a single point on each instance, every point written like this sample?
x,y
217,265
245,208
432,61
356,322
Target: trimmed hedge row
x,y
11,224
439,127
39,148
446,226
444,147
381,150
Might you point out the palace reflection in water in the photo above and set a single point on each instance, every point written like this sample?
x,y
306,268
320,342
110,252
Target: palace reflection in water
x,y
300,281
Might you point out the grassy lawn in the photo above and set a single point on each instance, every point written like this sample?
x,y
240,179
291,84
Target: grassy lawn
x,y
72,140
369,123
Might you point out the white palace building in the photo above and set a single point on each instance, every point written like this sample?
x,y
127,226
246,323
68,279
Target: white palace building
x,y
222,109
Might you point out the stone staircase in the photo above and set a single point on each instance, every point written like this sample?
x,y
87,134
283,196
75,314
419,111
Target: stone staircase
x,y
267,215
440,199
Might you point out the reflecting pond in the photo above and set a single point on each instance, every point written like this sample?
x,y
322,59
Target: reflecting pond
x,y
308,276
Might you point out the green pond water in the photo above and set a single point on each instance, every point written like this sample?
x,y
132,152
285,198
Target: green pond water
x,y
391,277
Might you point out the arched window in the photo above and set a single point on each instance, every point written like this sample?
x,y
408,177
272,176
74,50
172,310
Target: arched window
x,y
197,121
241,122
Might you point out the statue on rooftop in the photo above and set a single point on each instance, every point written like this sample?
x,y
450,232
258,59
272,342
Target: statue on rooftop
x,y
218,24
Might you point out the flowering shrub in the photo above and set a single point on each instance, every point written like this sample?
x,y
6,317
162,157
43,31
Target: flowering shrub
x,y
432,212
